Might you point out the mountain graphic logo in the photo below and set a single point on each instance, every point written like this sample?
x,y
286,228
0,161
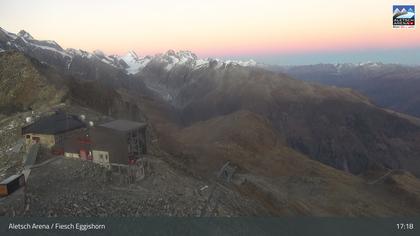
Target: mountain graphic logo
x,y
403,16
399,10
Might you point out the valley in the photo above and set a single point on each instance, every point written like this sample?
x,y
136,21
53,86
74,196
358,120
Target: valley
x,y
295,148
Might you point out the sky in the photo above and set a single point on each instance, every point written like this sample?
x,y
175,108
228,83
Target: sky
x,y
269,31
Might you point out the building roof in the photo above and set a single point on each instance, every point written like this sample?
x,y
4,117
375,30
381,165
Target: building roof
x,y
123,125
10,179
60,122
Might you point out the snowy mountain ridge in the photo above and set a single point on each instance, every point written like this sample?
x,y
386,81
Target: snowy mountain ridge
x,y
131,63
172,59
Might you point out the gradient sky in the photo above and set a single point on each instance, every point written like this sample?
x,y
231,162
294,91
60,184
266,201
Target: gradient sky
x,y
273,31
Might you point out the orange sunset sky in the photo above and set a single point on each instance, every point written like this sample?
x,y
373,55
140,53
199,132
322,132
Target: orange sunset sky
x,y
277,31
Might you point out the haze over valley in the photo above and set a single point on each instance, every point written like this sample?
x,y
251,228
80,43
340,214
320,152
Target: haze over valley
x,y
223,137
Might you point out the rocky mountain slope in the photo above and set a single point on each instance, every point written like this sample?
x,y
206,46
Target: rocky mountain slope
x,y
338,127
298,148
282,179
26,84
78,63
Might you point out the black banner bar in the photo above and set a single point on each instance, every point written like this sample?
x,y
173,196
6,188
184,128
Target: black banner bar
x,y
211,226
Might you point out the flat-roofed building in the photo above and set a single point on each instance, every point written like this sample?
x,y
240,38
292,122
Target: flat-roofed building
x,y
52,130
118,141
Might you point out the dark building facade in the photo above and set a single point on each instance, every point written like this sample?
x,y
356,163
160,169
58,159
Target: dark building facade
x,y
119,141
53,130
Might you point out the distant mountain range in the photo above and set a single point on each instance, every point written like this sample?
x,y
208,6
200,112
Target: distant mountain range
x,y
50,52
170,59
300,148
392,86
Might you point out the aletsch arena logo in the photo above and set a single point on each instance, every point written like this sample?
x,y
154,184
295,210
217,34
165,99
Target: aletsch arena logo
x,y
404,16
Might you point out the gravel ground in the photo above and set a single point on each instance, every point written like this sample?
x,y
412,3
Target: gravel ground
x,y
70,187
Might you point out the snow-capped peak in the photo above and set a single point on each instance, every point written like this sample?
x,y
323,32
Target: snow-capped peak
x,y
110,60
132,55
131,62
25,35
177,57
242,63
130,58
134,62
170,52
370,64
78,52
186,55
172,58
99,53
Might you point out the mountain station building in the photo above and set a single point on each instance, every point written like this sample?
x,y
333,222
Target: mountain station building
x,y
52,130
119,142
